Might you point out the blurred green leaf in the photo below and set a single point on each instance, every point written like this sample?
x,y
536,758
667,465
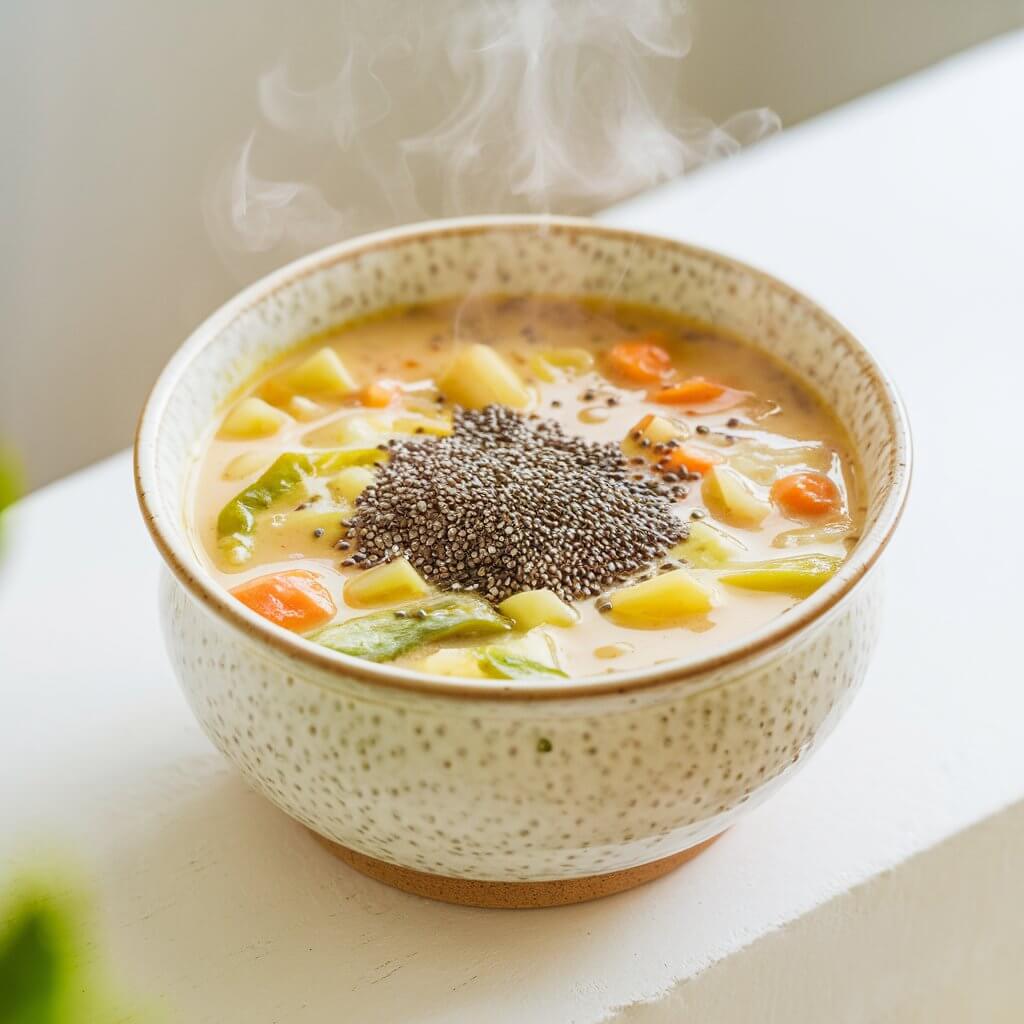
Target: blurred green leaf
x,y
33,948
46,975
11,479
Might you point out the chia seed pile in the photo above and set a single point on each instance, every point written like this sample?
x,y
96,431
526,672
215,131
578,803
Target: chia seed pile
x,y
506,504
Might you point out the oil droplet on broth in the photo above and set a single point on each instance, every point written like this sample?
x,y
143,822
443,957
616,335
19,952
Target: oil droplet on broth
x,y
594,414
613,650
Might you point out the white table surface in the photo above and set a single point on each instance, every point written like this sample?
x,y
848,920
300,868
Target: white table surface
x,y
881,884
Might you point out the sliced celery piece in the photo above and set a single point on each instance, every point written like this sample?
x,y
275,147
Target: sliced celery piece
x,y
236,523
503,663
798,575
383,636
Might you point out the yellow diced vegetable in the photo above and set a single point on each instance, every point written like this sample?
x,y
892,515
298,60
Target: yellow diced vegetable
x,y
732,498
297,531
323,373
537,645
479,376
820,533
350,482
436,426
477,662
799,575
538,608
420,403
248,464
659,430
548,361
352,429
252,418
570,357
656,430
385,584
662,601
763,463
276,392
304,409
707,547
543,369
460,662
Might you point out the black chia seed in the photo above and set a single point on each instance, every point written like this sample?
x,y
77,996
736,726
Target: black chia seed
x,y
505,505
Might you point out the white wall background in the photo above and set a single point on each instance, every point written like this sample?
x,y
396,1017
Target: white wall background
x,y
113,113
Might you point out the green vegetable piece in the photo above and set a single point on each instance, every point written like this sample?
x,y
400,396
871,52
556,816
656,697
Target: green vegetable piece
x,y
500,663
385,635
799,575
236,523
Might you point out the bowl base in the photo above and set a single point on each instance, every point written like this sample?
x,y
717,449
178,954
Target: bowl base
x,y
472,892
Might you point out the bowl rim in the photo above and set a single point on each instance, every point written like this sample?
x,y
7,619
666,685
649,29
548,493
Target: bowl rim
x,y
185,566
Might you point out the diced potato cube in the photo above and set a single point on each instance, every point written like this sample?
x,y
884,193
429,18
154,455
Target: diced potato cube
x,y
799,575
707,547
460,662
538,608
304,409
350,430
385,584
466,662
547,362
537,645
248,464
310,529
570,357
656,430
763,463
276,392
659,430
659,602
436,426
732,498
350,482
252,418
531,656
323,373
543,369
420,403
479,376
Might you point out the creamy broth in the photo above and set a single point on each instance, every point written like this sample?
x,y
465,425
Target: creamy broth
x,y
761,436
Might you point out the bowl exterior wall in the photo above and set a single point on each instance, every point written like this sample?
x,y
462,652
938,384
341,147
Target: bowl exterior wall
x,y
515,790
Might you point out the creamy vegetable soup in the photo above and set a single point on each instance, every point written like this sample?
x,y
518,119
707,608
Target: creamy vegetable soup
x,y
525,488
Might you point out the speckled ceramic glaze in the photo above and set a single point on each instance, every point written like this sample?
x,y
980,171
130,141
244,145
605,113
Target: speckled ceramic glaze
x,y
487,780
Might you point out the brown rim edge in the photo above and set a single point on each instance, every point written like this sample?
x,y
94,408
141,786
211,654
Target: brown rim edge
x,y
218,601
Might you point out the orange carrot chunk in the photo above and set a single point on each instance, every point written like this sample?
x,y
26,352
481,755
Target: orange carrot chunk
x,y
806,494
692,391
380,394
693,460
295,599
639,360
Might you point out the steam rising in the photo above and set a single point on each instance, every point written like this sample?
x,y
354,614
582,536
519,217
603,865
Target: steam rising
x,y
496,106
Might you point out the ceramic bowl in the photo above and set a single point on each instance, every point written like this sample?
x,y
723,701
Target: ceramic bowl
x,y
486,791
